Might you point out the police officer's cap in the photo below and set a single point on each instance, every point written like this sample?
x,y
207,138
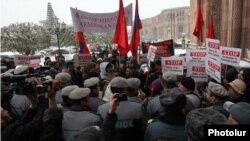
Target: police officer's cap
x,y
63,77
119,82
79,93
134,83
68,89
91,82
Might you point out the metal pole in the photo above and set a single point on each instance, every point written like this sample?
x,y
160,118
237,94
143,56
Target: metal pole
x,y
58,43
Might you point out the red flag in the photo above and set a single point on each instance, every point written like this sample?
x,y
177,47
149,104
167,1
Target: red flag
x,y
121,36
210,33
198,24
82,43
135,40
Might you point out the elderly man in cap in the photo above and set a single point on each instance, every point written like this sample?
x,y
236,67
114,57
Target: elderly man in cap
x,y
130,124
134,90
79,115
171,123
216,95
94,100
65,96
239,113
64,80
169,82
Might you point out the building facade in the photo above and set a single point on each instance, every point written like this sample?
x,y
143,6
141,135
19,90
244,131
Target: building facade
x,y
169,24
231,19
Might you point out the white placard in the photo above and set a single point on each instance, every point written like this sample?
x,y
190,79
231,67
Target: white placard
x,y
82,59
213,49
197,71
24,60
230,56
213,69
151,53
196,56
172,64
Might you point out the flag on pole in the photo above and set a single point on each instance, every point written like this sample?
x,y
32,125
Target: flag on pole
x,y
210,33
79,36
121,36
135,40
82,43
198,24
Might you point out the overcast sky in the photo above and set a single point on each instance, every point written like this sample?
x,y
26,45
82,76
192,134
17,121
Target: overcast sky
x,y
13,11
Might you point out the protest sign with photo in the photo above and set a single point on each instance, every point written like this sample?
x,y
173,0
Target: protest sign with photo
x,y
151,53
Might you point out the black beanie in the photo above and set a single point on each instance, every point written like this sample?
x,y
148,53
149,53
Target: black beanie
x,y
188,83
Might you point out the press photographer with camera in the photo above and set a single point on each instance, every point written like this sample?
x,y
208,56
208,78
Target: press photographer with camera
x,y
34,124
131,122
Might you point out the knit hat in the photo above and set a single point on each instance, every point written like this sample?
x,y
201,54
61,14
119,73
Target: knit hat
x,y
188,83
238,85
217,89
156,85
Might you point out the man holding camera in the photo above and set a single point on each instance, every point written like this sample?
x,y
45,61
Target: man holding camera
x,y
130,123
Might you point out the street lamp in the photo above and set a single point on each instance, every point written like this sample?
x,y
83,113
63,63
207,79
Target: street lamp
x,y
58,28
183,40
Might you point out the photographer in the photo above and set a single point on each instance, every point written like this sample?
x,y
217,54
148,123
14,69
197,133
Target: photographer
x,y
130,124
30,126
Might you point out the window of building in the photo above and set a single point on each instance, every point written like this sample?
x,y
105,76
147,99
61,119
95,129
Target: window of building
x,y
180,28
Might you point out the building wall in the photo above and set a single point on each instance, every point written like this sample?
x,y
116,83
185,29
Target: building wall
x,y
231,21
169,24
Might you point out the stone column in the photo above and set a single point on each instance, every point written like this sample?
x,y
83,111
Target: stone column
x,y
245,34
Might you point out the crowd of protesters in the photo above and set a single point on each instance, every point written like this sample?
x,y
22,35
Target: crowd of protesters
x,y
116,98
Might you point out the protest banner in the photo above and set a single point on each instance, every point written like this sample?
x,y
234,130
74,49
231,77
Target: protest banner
x,y
213,69
196,56
230,56
98,22
172,65
213,49
197,71
82,59
151,53
24,60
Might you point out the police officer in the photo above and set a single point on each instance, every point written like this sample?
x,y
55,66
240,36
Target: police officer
x,y
134,90
79,115
64,80
65,96
93,85
130,124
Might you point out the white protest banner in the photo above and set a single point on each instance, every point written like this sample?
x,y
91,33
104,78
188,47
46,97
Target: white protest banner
x,y
230,56
213,49
197,71
151,53
98,22
22,60
82,59
196,56
213,68
172,64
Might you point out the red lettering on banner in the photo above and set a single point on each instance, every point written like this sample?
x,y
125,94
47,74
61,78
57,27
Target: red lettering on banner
x,y
173,62
214,66
23,58
231,53
214,45
198,69
198,54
